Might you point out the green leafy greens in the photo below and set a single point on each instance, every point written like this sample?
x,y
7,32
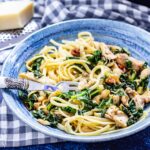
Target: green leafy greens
x,y
53,119
104,105
95,57
126,82
122,50
36,67
133,113
86,96
28,101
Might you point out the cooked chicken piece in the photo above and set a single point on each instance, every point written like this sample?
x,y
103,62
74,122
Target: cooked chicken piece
x,y
125,100
121,119
117,115
121,60
131,92
106,52
146,96
116,70
136,64
140,100
145,73
111,111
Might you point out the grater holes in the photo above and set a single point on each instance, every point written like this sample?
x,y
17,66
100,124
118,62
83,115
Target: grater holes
x,y
6,36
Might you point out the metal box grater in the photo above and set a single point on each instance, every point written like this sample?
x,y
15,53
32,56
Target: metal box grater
x,y
10,38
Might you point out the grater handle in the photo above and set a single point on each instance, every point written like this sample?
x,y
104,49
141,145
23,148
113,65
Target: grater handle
x,y
10,83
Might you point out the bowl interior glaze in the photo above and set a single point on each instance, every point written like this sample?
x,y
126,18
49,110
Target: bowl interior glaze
x,y
110,32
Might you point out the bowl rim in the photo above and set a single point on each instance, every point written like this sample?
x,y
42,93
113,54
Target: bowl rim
x,y
73,138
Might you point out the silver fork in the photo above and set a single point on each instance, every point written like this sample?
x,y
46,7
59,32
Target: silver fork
x,y
24,84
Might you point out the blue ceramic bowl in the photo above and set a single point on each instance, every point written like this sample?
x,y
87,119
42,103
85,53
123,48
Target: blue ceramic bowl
x,y
111,32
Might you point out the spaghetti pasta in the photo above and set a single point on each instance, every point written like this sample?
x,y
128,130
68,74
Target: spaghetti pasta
x,y
112,86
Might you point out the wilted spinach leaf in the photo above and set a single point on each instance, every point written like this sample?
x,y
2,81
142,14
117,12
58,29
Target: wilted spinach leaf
x,y
126,82
53,119
104,105
133,113
69,109
122,50
144,83
36,67
95,57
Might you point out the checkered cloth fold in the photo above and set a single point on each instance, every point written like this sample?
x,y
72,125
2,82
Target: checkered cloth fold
x,y
13,132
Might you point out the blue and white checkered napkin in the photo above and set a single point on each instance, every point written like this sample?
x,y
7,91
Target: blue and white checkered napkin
x,y
14,132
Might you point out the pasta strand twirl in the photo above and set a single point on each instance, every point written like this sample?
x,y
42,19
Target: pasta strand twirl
x,y
112,91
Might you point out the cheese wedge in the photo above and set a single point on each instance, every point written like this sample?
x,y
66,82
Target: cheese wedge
x,y
15,14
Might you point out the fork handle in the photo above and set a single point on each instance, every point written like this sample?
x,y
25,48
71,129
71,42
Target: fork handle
x,y
10,83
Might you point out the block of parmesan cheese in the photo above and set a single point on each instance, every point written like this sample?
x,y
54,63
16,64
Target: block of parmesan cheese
x,y
15,14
